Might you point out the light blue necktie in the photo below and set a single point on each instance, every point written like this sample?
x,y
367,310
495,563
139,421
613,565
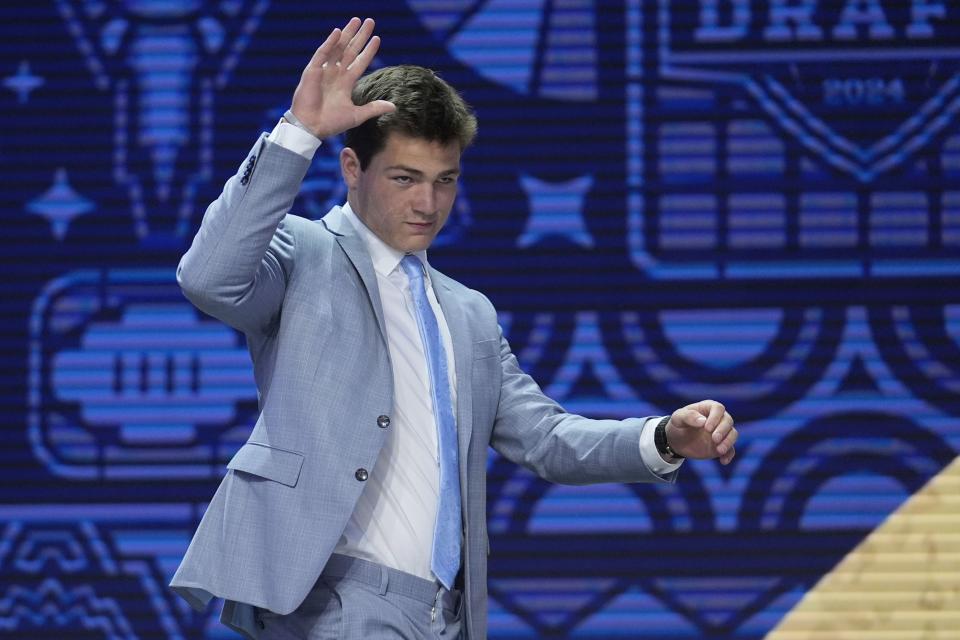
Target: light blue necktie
x,y
445,559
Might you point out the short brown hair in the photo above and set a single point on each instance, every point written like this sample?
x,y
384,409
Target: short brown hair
x,y
427,107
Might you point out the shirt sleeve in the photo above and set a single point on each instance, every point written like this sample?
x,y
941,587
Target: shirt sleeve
x,y
648,450
295,139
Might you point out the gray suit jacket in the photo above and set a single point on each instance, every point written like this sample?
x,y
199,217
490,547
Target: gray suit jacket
x,y
305,294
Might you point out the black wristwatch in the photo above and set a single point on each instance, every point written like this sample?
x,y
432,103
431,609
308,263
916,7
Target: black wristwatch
x,y
660,440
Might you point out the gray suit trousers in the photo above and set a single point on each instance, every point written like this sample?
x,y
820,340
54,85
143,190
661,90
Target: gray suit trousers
x,y
355,598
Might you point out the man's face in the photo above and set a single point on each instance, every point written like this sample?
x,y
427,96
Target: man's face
x,y
406,192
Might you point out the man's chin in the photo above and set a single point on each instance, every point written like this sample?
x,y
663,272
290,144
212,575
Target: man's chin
x,y
421,243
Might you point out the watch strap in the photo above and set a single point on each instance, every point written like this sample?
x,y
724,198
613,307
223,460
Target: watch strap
x,y
660,440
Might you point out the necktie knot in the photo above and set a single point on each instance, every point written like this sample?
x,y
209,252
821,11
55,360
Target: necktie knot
x,y
412,267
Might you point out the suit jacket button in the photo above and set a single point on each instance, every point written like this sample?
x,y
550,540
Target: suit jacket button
x,y
361,475
383,422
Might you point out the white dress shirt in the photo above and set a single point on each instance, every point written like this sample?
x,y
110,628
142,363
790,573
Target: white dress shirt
x,y
393,521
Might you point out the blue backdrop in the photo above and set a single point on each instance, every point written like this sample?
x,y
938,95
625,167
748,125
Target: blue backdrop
x,y
754,201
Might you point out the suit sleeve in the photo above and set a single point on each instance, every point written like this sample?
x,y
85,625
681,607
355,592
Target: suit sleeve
x,y
241,258
534,431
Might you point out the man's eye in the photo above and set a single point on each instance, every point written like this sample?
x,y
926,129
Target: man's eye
x,y
447,180
403,179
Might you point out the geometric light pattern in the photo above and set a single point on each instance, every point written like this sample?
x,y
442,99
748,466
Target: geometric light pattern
x,y
754,202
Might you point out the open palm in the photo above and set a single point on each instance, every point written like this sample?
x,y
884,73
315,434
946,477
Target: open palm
x,y
322,99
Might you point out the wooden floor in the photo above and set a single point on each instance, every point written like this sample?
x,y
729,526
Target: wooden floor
x,y
901,583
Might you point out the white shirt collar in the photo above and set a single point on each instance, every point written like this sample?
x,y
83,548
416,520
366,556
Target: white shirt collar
x,y
385,258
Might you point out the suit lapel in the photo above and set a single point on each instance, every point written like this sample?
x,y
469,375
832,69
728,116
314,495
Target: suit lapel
x,y
352,245
463,362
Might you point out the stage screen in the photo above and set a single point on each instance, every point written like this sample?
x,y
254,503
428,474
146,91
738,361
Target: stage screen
x,y
752,201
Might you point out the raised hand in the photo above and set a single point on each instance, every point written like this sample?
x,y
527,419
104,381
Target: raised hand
x,y
703,430
322,99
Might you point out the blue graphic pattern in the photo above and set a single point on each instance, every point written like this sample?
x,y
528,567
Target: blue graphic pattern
x,y
749,201
153,392
23,82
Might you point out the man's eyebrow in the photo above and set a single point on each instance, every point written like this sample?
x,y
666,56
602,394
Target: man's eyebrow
x,y
417,172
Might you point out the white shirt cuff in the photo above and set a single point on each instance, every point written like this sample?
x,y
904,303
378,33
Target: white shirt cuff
x,y
648,450
294,139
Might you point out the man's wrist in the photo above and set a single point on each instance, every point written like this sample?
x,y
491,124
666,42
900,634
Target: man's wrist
x,y
295,121
663,444
653,459
293,138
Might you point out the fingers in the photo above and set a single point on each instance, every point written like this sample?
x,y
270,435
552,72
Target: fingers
x,y
322,53
723,428
357,42
714,415
724,437
351,48
346,37
719,434
365,57
333,47
373,110
688,417
349,31
720,426
728,457
725,443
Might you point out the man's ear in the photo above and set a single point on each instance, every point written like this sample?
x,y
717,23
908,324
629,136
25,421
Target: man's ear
x,y
350,167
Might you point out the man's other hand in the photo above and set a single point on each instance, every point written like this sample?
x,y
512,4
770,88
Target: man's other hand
x,y
322,99
703,431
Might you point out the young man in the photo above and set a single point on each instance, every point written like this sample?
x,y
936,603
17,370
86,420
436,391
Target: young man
x,y
357,507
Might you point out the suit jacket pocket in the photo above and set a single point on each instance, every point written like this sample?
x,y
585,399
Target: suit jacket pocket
x,y
267,462
486,349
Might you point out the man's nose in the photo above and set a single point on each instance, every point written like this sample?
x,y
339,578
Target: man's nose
x,y
425,200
